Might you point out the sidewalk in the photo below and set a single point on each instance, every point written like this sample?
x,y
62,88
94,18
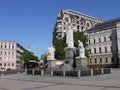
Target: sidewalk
x,y
31,82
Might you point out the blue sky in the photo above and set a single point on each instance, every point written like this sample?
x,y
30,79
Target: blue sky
x,y
31,22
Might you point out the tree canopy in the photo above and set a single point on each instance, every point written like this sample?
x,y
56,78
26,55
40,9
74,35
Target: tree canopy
x,y
27,56
60,44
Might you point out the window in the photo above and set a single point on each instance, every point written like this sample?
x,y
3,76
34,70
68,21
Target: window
x,y
12,47
9,52
94,50
82,22
95,60
89,42
90,51
5,52
99,40
5,46
82,28
112,60
64,28
64,23
94,40
104,39
106,60
88,25
77,27
4,64
90,61
100,60
12,64
1,52
12,53
100,50
8,64
1,46
58,23
105,49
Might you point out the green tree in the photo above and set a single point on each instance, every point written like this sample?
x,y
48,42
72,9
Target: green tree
x,y
27,56
82,37
60,44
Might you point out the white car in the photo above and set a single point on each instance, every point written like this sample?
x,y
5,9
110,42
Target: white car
x,y
2,69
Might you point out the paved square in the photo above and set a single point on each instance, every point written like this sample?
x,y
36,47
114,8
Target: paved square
x,y
36,82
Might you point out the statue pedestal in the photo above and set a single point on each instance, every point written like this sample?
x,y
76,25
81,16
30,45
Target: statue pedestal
x,y
81,63
68,62
51,64
69,54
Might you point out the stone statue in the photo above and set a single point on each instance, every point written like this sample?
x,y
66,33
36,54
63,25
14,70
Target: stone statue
x,y
81,49
69,37
50,53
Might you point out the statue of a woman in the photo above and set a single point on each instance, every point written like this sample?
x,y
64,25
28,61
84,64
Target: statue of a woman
x,y
81,49
50,53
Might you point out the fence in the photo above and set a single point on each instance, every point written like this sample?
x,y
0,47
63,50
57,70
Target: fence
x,y
79,73
12,72
90,72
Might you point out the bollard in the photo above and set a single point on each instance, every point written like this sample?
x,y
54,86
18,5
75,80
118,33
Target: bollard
x,y
2,74
110,70
51,73
33,72
18,73
91,72
79,74
25,71
42,72
102,71
63,73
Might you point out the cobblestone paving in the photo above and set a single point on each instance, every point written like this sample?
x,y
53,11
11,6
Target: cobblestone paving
x,y
33,82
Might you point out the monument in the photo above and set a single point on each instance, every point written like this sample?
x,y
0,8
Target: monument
x,y
81,49
81,60
51,57
71,62
50,53
69,50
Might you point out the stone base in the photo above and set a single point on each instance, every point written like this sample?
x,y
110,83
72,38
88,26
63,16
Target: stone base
x,y
69,54
81,63
67,67
51,64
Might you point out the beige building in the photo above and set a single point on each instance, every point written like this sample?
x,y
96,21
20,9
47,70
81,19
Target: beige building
x,y
104,44
78,21
10,53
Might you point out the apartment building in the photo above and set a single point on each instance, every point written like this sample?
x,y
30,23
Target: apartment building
x,y
10,54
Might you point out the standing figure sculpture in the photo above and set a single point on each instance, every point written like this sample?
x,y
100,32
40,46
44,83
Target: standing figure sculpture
x,y
69,37
81,49
50,53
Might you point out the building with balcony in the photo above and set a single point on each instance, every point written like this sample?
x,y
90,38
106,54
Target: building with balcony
x,y
10,54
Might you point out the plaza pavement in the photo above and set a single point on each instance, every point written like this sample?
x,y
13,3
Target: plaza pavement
x,y
36,82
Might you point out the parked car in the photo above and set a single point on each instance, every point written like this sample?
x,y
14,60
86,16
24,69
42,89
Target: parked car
x,y
2,69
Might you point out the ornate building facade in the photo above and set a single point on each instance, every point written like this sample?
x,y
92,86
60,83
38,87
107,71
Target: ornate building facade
x,y
78,21
104,36
104,44
10,54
